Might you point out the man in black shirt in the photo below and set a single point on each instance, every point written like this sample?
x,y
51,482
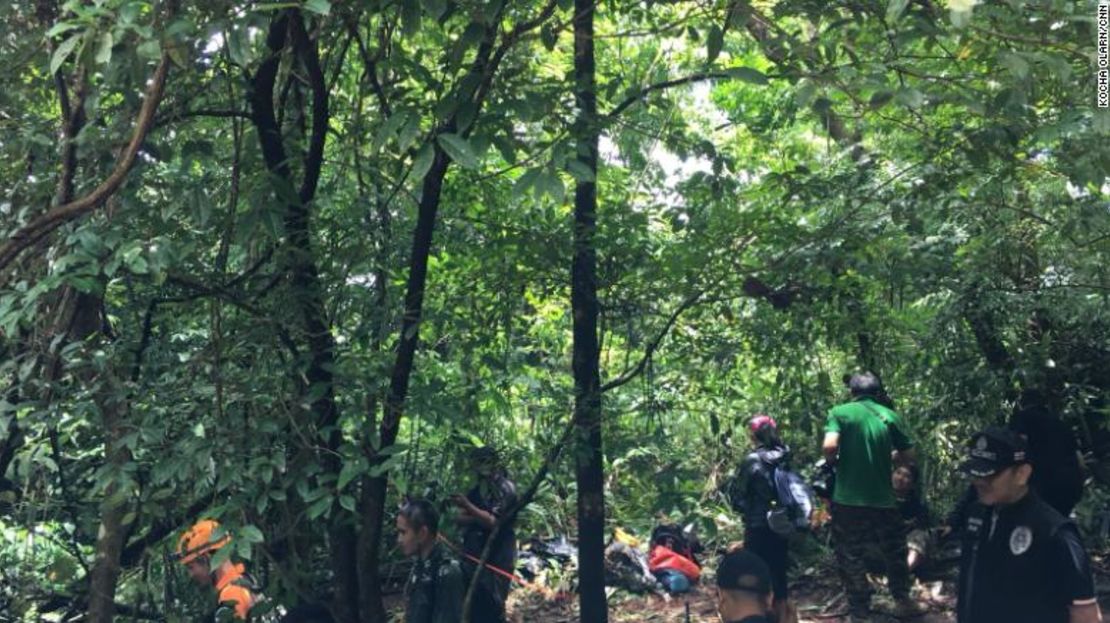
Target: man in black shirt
x,y
484,505
744,592
1022,560
435,590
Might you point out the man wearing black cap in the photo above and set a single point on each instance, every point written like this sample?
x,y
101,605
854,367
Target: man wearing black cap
x,y
1022,560
744,592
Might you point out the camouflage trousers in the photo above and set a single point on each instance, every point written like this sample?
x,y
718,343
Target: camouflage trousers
x,y
859,533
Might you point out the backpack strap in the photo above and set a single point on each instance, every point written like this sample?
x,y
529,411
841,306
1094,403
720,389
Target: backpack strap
x,y
879,414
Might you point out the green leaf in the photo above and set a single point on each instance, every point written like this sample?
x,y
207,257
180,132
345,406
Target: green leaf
x,y
580,171
61,27
435,8
747,74
251,534
422,163
1100,123
350,470
524,183
347,502
237,44
459,149
549,36
321,7
960,17
319,507
880,99
179,54
63,52
150,50
1015,63
552,185
806,91
895,8
104,49
911,98
714,41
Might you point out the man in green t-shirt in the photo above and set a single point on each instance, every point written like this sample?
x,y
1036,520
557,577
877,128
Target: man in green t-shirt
x,y
864,439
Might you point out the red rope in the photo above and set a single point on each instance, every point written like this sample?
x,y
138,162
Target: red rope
x,y
543,590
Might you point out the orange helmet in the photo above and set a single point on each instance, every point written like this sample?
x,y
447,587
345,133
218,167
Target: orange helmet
x,y
198,541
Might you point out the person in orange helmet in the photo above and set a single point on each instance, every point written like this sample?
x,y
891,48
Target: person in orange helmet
x,y
235,591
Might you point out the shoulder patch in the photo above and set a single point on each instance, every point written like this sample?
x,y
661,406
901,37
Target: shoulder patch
x,y
1021,539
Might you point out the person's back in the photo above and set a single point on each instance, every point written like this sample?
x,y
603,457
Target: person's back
x,y
859,439
868,433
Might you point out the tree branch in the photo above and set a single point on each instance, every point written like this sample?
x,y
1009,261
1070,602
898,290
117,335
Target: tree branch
x,y
54,218
651,348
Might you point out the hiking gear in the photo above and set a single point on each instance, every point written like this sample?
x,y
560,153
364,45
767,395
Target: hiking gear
x,y
794,503
676,539
664,558
752,490
505,574
674,581
236,593
761,420
200,540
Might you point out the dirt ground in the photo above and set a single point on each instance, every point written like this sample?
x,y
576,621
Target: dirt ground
x,y
818,602
817,594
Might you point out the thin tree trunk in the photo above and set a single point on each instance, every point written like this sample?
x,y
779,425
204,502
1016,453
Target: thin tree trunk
x,y
304,274
587,376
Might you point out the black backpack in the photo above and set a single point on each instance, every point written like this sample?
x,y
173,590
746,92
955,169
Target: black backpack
x,y
673,537
794,504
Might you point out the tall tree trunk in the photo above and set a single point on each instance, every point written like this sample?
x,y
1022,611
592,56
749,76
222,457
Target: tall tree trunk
x,y
110,537
374,499
304,274
589,465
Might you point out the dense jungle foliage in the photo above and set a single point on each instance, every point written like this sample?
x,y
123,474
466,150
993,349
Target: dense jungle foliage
x,y
282,263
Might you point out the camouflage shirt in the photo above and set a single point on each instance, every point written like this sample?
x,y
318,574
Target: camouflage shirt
x,y
435,589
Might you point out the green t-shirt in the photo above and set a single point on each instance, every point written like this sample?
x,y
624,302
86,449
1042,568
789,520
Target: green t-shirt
x,y
868,433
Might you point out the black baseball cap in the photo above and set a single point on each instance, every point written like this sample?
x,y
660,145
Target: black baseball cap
x,y
993,449
742,570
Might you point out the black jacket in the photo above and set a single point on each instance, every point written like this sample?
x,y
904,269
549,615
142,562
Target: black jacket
x,y
753,489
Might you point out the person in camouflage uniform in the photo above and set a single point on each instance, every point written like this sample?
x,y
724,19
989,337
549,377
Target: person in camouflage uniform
x,y
864,438
435,589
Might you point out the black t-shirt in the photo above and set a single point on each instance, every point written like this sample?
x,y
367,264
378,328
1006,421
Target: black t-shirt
x,y
496,496
1023,563
914,513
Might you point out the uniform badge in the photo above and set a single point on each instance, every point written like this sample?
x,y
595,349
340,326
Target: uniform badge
x,y
1021,539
